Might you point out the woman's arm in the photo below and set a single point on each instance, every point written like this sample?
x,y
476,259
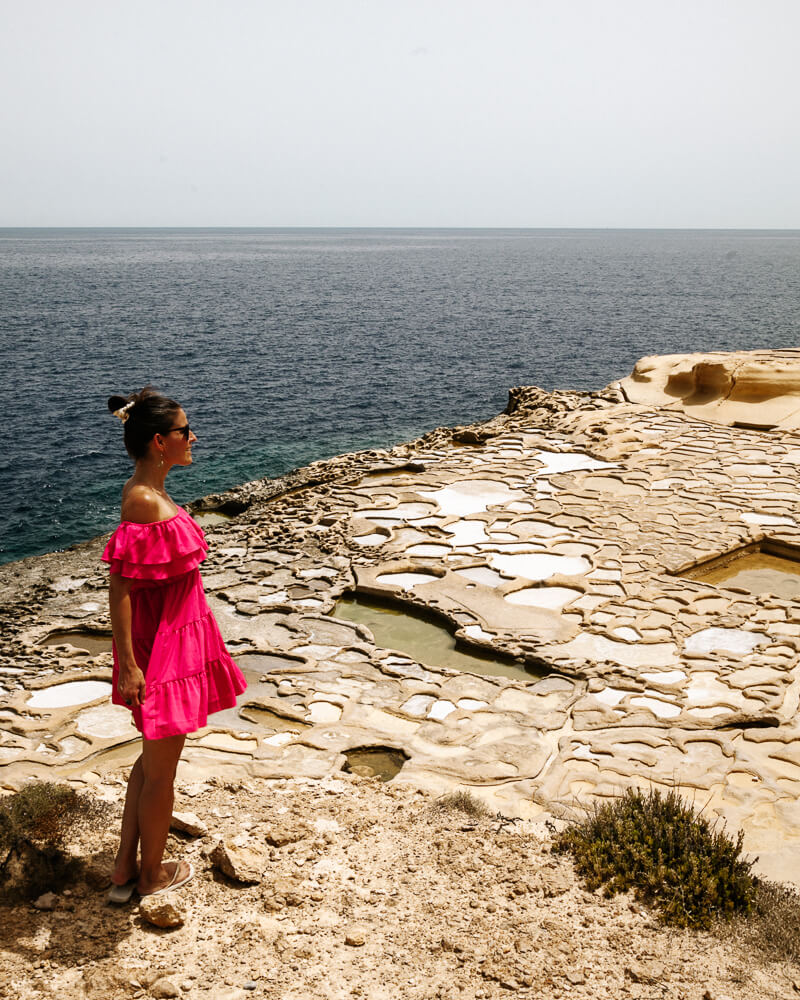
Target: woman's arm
x,y
131,679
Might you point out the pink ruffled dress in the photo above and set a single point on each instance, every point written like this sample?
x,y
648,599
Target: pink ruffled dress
x,y
176,640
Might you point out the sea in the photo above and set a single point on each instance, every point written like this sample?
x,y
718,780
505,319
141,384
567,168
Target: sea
x,y
290,345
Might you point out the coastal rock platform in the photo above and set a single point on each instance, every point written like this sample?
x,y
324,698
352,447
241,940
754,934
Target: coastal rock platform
x,y
630,565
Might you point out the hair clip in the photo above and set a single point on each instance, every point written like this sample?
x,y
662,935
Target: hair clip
x,y
122,412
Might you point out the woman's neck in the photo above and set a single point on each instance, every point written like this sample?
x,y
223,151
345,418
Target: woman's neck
x,y
150,472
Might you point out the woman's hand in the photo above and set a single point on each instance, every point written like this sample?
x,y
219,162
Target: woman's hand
x,y
131,684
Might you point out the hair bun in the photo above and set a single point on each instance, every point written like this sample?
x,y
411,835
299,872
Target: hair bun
x,y
115,402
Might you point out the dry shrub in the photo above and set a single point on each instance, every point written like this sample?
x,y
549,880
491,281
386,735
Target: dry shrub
x,y
461,801
772,928
34,825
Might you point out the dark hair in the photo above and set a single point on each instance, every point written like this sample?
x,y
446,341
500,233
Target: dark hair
x,y
150,414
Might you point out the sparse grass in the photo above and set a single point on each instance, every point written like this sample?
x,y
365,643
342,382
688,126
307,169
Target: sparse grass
x,y
772,928
34,824
461,801
656,845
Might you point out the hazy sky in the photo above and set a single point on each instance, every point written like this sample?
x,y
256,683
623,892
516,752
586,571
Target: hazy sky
x,y
400,113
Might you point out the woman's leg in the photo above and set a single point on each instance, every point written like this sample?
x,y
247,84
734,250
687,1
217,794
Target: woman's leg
x,y
125,865
159,761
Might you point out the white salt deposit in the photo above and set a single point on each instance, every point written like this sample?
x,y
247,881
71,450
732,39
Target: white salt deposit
x,y
466,532
554,462
481,574
663,709
626,633
476,632
471,704
590,646
539,565
665,676
731,640
71,693
372,539
280,739
471,496
324,711
406,580
408,510
767,519
418,704
609,695
543,597
106,722
426,549
279,597
441,710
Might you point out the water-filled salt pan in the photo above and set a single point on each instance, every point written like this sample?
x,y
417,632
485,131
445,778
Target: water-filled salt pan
x,y
471,496
540,566
406,580
731,640
441,710
543,597
71,693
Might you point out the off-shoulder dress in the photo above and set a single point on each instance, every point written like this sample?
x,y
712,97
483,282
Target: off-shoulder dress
x,y
176,640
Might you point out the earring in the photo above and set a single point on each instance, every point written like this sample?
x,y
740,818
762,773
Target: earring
x,y
161,462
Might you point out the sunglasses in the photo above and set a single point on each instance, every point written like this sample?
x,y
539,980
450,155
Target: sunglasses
x,y
186,430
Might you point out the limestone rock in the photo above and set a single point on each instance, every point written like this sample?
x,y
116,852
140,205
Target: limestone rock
x,y
161,911
554,883
645,972
355,935
188,822
47,901
165,989
279,834
242,864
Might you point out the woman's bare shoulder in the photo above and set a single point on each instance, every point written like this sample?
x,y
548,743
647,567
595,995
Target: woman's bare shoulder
x,y
141,504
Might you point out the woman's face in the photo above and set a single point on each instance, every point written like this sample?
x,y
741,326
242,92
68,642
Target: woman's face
x,y
177,442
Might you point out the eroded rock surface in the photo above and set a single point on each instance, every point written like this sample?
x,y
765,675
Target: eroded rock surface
x,y
569,533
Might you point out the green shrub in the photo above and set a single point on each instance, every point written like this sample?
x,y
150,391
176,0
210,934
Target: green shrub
x,y
34,824
656,845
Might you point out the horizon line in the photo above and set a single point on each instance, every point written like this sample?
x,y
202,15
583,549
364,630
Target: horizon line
x,y
776,229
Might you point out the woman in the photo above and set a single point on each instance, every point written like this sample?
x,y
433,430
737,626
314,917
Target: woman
x,y
171,667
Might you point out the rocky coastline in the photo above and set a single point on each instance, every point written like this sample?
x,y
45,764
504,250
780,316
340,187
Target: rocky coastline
x,y
629,555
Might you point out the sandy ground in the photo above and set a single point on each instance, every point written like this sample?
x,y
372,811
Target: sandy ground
x,y
363,890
